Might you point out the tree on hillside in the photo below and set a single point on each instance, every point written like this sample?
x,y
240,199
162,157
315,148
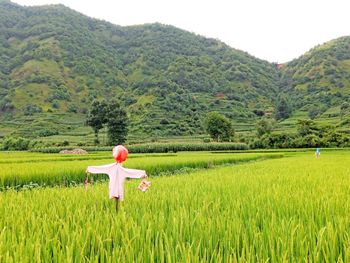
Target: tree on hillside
x,y
306,127
283,109
218,126
117,128
109,114
97,117
344,109
263,126
315,111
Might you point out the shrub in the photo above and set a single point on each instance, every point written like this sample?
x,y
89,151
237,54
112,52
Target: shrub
x,y
64,143
30,109
206,140
47,132
12,143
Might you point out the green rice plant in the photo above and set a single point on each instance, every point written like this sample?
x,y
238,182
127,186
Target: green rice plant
x,y
292,209
55,169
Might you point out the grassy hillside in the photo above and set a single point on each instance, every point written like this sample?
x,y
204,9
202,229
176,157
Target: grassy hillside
x,y
55,61
318,82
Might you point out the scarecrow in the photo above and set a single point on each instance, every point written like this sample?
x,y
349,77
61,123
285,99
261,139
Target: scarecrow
x,y
117,174
318,152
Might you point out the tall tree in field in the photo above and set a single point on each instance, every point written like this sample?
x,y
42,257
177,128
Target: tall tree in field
x,y
218,126
117,128
97,117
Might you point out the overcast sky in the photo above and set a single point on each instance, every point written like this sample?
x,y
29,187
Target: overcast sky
x,y
274,30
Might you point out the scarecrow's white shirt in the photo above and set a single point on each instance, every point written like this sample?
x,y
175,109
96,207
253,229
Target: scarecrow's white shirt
x,y
117,175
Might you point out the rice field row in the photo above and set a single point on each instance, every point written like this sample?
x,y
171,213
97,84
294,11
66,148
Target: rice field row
x,y
18,169
293,209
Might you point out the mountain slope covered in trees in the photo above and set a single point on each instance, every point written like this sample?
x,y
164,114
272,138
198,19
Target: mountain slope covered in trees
x,y
55,61
320,79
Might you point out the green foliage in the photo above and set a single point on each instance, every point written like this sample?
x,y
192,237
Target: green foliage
x,y
166,77
97,117
309,135
344,109
55,104
306,127
117,123
320,76
6,104
164,148
72,108
31,109
112,115
264,126
218,127
336,139
59,93
315,111
206,140
157,147
274,140
47,132
17,144
64,143
283,108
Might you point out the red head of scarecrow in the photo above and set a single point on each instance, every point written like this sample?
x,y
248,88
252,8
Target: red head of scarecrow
x,y
120,153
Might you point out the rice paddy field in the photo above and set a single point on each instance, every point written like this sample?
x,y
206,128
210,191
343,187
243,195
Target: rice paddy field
x,y
201,207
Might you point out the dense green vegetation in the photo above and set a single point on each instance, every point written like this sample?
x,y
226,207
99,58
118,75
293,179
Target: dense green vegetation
x,y
317,83
156,147
320,78
54,62
112,115
218,127
309,134
292,209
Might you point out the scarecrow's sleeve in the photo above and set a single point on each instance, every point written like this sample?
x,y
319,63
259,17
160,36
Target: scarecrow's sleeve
x,y
133,173
102,169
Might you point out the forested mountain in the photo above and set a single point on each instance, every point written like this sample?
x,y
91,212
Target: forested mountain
x,y
55,61
320,79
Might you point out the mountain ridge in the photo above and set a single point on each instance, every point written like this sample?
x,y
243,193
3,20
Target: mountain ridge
x,y
56,61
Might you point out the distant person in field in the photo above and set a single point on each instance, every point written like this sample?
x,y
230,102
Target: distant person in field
x,y
318,152
117,174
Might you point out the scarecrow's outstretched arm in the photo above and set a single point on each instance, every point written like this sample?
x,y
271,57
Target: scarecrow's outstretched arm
x,y
133,173
102,169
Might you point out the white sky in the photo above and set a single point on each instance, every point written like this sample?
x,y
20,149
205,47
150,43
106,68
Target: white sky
x,y
275,30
